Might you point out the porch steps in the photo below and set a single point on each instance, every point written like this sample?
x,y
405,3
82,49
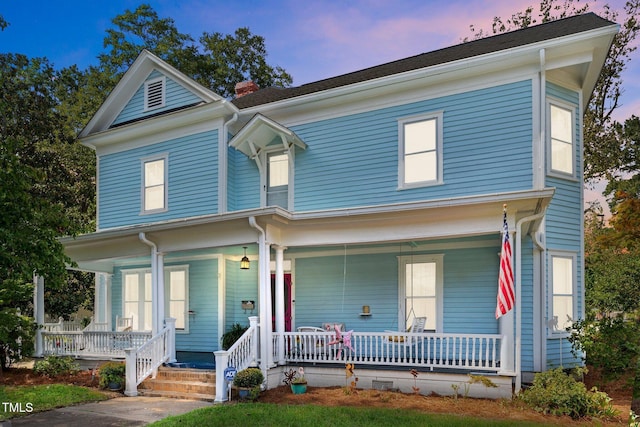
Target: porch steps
x,y
181,383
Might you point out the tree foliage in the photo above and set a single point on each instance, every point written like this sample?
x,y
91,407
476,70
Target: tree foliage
x,y
217,62
601,144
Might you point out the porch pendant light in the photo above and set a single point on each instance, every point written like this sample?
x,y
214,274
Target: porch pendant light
x,y
244,262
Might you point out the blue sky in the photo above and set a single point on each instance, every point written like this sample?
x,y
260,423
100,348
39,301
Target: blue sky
x,y
311,39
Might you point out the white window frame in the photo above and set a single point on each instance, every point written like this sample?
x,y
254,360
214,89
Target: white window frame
x,y
263,165
405,260
167,294
438,117
143,187
573,257
571,109
140,272
163,93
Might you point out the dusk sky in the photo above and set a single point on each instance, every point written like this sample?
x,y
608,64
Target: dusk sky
x,y
312,40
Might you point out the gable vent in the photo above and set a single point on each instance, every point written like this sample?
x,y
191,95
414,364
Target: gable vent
x,y
154,94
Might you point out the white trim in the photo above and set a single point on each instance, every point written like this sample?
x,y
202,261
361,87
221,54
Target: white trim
x,y
163,93
573,256
167,127
552,101
167,287
143,162
403,260
438,116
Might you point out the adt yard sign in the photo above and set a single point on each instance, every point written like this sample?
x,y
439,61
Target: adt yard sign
x,y
230,373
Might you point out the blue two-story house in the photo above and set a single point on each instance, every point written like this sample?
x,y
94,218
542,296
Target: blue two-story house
x,y
368,200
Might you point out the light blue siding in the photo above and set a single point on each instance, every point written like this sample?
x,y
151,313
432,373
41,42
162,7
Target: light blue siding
x,y
353,160
526,297
564,225
244,182
176,96
242,286
192,181
470,286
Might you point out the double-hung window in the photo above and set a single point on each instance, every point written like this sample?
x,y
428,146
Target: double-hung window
x,y
563,294
154,184
278,179
137,302
420,292
420,150
562,152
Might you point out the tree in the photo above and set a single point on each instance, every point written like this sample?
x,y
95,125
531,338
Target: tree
x,y
602,148
218,62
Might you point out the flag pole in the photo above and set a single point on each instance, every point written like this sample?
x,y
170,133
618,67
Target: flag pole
x,y
505,300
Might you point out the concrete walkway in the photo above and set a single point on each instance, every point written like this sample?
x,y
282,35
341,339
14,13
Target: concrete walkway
x,y
121,411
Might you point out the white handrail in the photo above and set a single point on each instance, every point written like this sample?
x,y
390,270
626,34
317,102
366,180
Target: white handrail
x,y
241,355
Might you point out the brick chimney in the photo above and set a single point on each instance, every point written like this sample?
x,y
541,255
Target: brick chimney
x,y
245,88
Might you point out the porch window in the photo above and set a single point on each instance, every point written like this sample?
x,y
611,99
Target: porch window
x,y
420,151
562,140
154,184
563,292
136,289
176,295
420,279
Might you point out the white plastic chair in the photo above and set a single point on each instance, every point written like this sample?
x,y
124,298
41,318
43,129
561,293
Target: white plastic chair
x,y
417,326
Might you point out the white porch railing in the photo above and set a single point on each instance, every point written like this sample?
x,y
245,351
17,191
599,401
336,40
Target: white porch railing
x,y
143,361
241,355
92,343
477,352
62,326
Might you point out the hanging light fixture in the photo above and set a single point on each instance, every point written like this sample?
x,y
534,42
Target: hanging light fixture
x,y
244,262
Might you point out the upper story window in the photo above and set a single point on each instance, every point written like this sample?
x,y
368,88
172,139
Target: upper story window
x,y
154,93
562,139
420,150
154,184
421,288
278,179
563,292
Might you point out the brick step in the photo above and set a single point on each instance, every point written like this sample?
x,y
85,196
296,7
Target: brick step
x,y
182,374
179,386
181,383
177,395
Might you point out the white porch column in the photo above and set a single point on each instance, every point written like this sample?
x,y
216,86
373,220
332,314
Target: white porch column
x,y
159,304
38,311
267,320
280,309
102,302
506,327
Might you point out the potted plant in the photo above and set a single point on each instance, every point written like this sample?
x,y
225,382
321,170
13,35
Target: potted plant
x,y
248,383
296,380
112,375
233,335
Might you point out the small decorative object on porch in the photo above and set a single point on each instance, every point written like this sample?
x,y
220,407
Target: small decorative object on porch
x,y
112,375
341,340
299,382
248,383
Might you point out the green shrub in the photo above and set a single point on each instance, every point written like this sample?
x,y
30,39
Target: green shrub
x,y
230,337
611,345
112,372
249,378
53,366
555,392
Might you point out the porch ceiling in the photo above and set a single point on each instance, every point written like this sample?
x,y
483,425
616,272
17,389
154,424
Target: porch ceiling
x,y
436,219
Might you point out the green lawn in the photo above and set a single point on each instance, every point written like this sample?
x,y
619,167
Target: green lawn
x,y
23,400
267,414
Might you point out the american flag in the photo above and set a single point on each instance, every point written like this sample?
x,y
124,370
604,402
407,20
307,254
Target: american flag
x,y
506,294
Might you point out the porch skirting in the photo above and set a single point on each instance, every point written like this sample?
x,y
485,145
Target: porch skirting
x,y
428,382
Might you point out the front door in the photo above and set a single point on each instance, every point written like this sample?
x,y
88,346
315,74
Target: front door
x,y
287,302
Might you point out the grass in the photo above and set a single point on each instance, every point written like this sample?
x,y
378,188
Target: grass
x,y
267,414
37,398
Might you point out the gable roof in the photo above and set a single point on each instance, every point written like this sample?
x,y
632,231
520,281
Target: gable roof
x,y
535,34
132,79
